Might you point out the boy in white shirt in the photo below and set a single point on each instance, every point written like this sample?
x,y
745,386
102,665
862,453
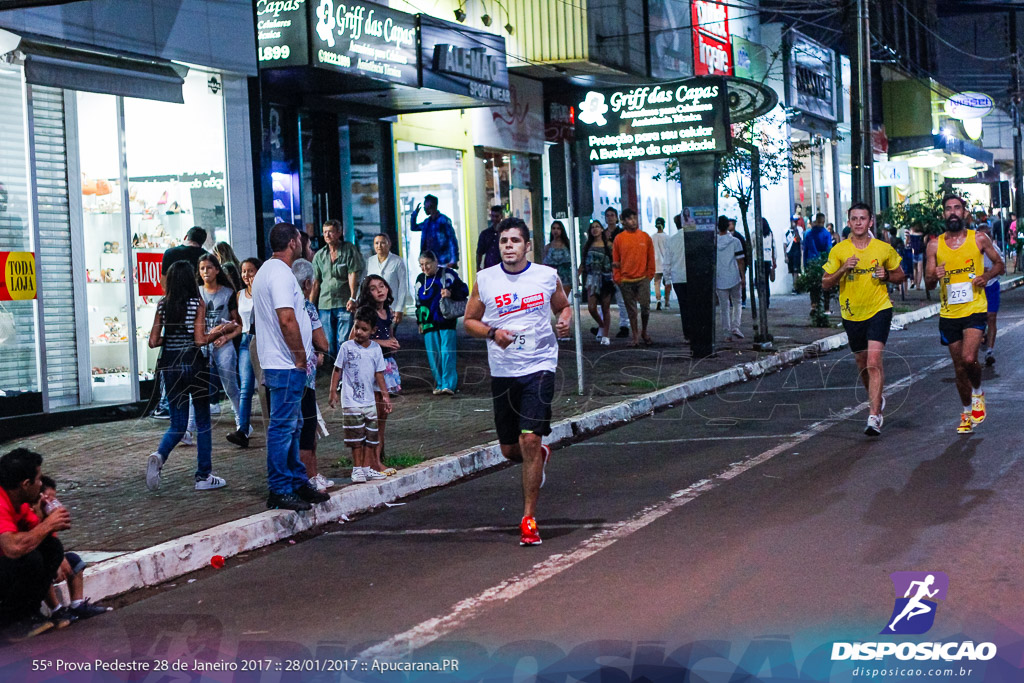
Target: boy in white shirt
x,y
359,365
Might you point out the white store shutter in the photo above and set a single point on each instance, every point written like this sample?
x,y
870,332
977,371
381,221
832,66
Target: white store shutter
x,y
54,249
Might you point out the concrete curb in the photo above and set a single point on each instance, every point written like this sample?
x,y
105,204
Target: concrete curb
x,y
169,560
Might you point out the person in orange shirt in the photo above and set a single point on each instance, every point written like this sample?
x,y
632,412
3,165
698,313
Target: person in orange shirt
x,y
632,270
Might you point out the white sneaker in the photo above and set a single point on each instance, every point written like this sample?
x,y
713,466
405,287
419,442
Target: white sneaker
x,y
358,475
320,483
373,475
214,409
188,439
154,463
605,341
211,482
736,333
874,427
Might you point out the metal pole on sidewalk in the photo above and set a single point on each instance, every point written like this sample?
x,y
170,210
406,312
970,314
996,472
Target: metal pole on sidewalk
x,y
573,234
1015,99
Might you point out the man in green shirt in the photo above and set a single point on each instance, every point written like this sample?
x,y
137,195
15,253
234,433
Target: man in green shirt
x,y
337,268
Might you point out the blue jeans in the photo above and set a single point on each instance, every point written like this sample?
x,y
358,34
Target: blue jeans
x,y
285,472
162,405
248,384
337,324
184,382
441,354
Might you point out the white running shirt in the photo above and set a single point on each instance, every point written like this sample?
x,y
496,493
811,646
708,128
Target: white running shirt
x,y
520,303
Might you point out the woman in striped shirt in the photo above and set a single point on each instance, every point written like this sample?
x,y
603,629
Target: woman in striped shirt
x,y
179,330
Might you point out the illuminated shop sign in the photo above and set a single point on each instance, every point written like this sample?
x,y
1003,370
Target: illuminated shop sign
x,y
654,122
281,33
365,39
969,105
464,61
712,53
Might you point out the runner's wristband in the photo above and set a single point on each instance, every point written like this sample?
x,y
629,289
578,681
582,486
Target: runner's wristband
x,y
491,331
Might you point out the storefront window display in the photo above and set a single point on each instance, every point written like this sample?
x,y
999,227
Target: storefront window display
x,y
812,184
607,189
424,170
19,378
365,151
507,183
173,168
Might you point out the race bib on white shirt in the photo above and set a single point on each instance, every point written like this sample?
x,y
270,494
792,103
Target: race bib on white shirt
x,y
960,293
525,340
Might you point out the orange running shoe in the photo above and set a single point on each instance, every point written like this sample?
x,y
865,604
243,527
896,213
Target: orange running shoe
x,y
978,408
966,424
528,532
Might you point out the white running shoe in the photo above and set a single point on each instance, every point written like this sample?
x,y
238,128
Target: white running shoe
x,y
188,439
214,409
321,483
154,463
211,482
358,475
605,341
874,427
373,475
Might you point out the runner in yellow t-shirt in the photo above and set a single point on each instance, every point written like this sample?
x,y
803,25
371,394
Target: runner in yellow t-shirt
x,y
955,259
863,267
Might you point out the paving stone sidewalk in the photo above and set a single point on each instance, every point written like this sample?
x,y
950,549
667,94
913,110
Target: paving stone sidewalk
x,y
100,468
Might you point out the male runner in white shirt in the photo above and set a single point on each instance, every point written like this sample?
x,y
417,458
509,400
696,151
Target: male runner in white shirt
x,y
511,306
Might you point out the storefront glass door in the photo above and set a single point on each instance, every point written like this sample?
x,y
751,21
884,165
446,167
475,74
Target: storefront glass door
x,y
175,162
106,249
424,170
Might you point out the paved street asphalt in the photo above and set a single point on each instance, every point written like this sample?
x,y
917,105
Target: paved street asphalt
x,y
738,535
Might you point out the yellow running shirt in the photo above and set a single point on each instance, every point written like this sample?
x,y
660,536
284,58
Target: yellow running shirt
x,y
959,297
861,295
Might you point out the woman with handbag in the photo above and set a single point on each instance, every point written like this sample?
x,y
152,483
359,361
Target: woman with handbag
x,y
440,300
179,329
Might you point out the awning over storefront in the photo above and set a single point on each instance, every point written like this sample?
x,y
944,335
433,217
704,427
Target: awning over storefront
x,y
939,143
387,61
79,68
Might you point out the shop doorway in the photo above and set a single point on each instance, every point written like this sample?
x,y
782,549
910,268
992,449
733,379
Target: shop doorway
x,y
426,170
812,185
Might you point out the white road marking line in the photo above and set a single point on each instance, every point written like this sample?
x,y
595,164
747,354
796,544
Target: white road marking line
x,y
430,630
466,530
694,438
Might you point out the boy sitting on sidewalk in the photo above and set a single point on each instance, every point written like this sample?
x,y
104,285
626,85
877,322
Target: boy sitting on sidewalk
x,y
359,365
71,570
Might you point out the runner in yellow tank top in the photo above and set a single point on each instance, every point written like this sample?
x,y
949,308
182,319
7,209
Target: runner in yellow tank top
x,y
863,267
955,261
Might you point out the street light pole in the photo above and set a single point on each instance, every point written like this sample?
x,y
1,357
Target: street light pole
x,y
1015,103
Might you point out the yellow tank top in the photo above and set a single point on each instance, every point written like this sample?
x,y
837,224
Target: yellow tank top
x,y
959,298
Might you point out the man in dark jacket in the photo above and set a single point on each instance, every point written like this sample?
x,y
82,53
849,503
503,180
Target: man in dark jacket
x,y
817,241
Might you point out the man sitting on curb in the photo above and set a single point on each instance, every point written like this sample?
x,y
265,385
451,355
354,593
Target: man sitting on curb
x,y
30,554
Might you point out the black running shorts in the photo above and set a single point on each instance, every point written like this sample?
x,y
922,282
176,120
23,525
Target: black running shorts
x,y
875,328
951,330
522,405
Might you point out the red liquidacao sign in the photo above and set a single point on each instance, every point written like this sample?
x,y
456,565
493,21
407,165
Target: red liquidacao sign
x,y
147,273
